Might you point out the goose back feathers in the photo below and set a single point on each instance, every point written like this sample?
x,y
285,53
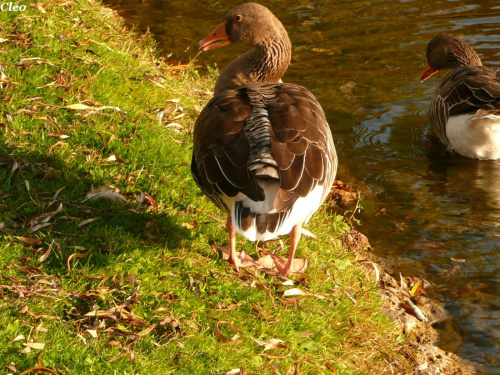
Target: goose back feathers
x,y
465,91
266,143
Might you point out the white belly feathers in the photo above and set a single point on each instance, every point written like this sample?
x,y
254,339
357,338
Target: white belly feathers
x,y
474,137
300,213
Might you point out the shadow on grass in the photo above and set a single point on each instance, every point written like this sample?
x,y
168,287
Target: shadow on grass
x,y
30,184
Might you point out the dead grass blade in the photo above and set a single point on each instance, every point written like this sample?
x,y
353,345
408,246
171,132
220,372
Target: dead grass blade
x,y
78,256
42,369
375,268
219,334
49,250
40,221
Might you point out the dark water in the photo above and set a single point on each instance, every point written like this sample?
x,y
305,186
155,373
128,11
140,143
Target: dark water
x,y
363,59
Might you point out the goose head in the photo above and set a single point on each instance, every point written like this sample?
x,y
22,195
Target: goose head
x,y
446,51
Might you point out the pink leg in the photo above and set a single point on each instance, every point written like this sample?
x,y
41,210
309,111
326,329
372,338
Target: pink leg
x,y
233,258
294,241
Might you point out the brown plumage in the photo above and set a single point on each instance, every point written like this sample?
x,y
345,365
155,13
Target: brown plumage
x,y
465,111
263,150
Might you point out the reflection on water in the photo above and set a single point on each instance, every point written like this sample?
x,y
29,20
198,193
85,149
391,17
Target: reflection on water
x,y
363,61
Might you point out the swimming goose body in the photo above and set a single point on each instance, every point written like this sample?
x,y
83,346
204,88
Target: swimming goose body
x,y
465,113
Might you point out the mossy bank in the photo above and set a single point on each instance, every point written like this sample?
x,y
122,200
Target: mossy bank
x,y
127,279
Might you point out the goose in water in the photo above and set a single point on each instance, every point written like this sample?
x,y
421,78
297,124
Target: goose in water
x,y
465,113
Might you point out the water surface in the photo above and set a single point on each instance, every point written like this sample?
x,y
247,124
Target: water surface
x,y
423,209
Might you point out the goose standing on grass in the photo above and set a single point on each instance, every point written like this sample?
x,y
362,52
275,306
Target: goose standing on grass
x,y
465,114
263,150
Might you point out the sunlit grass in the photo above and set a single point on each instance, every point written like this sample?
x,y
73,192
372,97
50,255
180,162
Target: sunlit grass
x,y
148,290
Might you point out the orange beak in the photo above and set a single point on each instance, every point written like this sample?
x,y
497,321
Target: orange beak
x,y
217,38
428,71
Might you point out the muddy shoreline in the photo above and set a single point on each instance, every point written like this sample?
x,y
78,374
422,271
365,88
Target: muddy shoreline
x,y
420,317
423,320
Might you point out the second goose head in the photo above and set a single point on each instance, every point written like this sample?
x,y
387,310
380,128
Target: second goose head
x,y
448,51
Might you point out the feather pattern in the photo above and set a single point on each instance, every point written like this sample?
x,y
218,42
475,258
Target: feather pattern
x,y
464,91
264,135
465,111
263,150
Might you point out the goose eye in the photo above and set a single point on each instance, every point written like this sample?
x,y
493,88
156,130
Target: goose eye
x,y
237,18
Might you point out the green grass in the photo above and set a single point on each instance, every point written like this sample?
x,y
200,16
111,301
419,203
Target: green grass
x,y
150,266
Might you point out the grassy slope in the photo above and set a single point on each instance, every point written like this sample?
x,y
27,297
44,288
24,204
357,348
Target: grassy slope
x,y
154,262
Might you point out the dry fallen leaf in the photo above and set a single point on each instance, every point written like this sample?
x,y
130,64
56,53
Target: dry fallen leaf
x,y
330,367
18,338
59,143
40,328
245,259
266,262
188,226
298,265
25,350
85,222
92,332
29,241
114,157
107,193
40,8
175,126
78,106
417,289
271,343
402,282
422,367
81,107
293,292
147,330
78,256
39,226
34,345
45,255
219,334
414,310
